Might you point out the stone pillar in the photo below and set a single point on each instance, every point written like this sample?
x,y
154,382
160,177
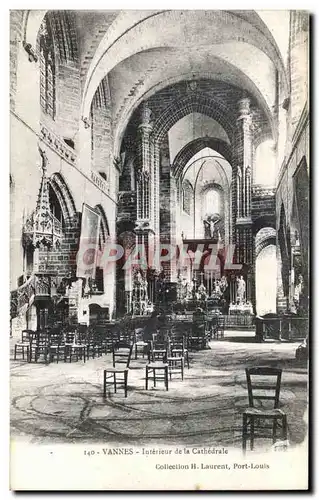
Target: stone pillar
x,y
144,228
167,207
243,156
144,170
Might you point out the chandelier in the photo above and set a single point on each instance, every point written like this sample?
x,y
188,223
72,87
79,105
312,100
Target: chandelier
x,y
42,228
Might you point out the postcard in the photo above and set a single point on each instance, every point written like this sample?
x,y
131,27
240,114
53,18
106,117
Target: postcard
x,y
159,247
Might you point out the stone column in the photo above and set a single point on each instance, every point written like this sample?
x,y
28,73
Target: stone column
x,y
144,228
243,156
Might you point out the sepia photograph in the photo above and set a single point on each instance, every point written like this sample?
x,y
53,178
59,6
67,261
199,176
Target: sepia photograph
x,y
159,249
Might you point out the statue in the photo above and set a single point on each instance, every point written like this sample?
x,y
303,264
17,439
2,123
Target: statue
x,y
140,294
202,294
217,287
211,230
223,284
298,292
207,230
190,288
241,290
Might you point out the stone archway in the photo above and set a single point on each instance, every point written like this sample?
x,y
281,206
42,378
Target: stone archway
x,y
63,193
190,150
265,271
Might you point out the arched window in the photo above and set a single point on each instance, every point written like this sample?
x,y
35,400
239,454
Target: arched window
x,y
55,206
266,280
47,69
187,197
212,202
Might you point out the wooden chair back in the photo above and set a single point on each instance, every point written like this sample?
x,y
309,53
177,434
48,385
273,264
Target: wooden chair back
x,y
26,335
263,384
123,356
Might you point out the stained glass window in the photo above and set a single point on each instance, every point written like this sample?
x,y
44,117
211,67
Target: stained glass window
x,y
212,201
47,69
187,197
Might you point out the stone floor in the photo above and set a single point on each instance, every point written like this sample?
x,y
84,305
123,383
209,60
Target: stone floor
x,y
63,403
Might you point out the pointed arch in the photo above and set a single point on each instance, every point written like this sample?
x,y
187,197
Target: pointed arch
x,y
105,232
266,236
192,148
63,195
195,103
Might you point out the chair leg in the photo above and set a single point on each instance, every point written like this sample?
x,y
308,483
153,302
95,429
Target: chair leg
x,y
284,428
252,432
104,383
244,437
187,360
146,378
154,377
114,374
166,377
15,352
182,368
274,431
125,383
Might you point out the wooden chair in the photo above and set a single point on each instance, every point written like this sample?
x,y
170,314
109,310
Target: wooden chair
x,y
213,328
158,351
103,340
56,346
197,340
94,345
33,343
74,347
159,373
109,341
179,349
122,357
175,366
219,328
140,346
263,385
40,345
125,339
24,345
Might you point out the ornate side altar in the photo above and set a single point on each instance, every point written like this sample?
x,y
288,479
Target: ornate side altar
x,y
141,305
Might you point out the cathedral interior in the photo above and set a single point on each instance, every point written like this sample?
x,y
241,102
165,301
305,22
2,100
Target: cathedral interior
x,y
160,163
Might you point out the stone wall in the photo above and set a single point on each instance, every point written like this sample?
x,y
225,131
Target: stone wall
x,y
101,132
299,53
16,19
62,260
285,195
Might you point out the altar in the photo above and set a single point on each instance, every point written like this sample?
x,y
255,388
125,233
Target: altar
x,y
242,309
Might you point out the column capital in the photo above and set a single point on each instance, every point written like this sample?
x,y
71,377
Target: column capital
x,y
146,115
244,106
244,111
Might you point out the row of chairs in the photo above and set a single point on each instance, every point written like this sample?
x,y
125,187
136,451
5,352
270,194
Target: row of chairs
x,y
198,333
164,360
54,345
167,354
84,342
261,416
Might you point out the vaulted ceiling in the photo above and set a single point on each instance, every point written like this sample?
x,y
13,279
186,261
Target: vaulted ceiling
x,y
140,53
